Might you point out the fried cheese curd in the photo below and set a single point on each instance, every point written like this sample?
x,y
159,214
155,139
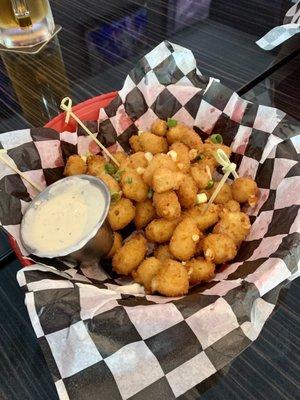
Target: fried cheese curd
x,y
167,205
219,248
161,230
184,240
96,165
187,192
146,272
159,127
117,244
162,252
164,186
158,161
133,186
121,214
153,143
232,205
171,279
204,216
200,270
128,257
180,153
224,194
144,213
75,166
164,180
245,190
234,224
184,134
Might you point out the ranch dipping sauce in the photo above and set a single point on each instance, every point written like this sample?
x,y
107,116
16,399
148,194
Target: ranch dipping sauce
x,y
64,217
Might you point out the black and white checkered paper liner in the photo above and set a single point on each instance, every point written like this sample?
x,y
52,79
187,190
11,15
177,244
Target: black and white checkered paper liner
x,y
99,339
279,34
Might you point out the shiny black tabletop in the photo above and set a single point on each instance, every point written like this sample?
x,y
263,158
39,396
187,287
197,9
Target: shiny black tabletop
x,y
98,45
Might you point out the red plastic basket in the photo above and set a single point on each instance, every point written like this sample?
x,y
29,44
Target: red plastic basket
x,y
86,111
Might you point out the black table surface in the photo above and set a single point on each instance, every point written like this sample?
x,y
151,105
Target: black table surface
x,y
99,43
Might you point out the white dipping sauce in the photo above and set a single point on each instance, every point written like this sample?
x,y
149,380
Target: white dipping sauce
x,y
70,213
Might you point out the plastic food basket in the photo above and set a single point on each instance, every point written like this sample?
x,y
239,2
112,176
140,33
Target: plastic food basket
x,y
87,110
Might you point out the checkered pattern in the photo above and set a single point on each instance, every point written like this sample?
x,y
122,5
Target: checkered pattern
x,y
99,339
280,34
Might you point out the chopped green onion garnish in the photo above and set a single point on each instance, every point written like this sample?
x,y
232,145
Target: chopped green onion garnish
x,y
115,196
216,138
128,180
150,194
199,157
210,184
118,175
171,122
110,169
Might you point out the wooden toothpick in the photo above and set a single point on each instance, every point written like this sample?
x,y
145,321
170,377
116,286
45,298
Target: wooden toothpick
x,y
66,105
228,168
15,169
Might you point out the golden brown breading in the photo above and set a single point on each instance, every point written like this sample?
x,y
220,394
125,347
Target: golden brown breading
x,y
224,194
130,255
75,166
182,158
199,248
164,180
112,184
219,248
160,230
191,139
133,186
120,156
184,240
184,134
138,160
144,213
117,244
135,143
153,143
171,280
96,165
187,192
200,176
158,161
232,205
175,133
146,272
210,148
121,214
200,270
203,216
167,205
234,224
245,190
159,127
162,252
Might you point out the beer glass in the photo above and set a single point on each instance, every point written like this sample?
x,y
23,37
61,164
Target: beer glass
x,y
25,23
39,81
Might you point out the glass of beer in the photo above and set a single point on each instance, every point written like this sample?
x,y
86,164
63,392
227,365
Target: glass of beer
x,y
25,23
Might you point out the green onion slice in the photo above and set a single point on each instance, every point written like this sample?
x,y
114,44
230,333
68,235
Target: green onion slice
x,y
110,169
199,157
118,175
171,122
115,196
216,138
210,184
